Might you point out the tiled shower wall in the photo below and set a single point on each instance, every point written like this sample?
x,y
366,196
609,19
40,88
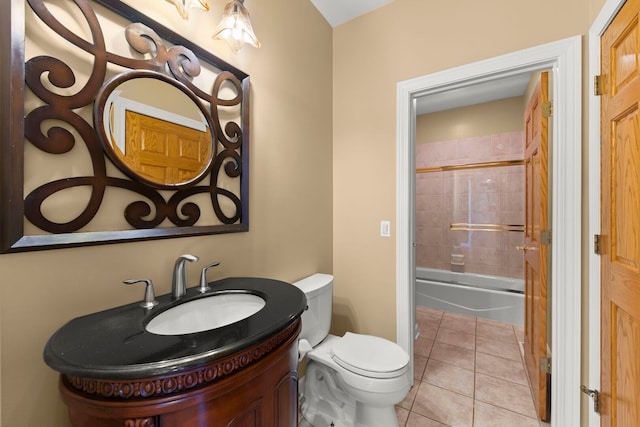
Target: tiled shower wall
x,y
479,196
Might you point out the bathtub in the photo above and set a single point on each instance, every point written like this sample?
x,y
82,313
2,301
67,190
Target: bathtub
x,y
490,297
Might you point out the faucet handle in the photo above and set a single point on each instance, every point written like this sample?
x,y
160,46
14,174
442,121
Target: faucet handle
x,y
203,278
149,295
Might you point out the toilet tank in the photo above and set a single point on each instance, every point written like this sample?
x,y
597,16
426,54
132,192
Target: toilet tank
x,y
316,319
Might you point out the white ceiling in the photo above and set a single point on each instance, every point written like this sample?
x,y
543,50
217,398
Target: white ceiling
x,y
502,88
337,12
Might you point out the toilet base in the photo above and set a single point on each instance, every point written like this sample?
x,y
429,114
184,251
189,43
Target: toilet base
x,y
326,404
371,416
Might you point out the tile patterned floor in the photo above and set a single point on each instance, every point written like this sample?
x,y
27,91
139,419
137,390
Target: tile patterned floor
x,y
468,373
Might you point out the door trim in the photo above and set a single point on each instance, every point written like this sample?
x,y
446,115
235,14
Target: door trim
x,y
600,24
564,58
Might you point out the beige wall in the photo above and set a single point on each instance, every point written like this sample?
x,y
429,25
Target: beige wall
x,y
290,213
505,115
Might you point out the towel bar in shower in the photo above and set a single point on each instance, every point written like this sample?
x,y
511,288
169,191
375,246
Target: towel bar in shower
x,y
465,226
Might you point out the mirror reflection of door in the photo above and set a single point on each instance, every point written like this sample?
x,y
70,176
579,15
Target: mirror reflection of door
x,y
163,151
154,129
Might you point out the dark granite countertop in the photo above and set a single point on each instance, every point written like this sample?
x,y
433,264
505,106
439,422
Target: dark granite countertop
x,y
114,344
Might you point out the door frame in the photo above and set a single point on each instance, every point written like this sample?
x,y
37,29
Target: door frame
x,y
563,57
600,24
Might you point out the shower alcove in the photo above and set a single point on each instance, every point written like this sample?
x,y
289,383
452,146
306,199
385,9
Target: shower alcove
x,y
470,210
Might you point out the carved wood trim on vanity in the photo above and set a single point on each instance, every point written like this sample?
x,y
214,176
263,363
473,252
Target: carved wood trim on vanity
x,y
141,422
168,384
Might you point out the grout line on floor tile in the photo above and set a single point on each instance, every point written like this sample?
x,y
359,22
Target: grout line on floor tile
x,y
439,326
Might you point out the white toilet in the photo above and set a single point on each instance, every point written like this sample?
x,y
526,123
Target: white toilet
x,y
354,380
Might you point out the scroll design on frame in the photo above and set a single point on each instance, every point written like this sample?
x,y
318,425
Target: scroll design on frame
x,y
150,211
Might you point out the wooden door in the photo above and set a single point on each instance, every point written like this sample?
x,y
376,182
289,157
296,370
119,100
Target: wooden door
x,y
535,251
620,216
165,152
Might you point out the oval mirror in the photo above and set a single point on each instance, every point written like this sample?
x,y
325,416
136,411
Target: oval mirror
x,y
154,129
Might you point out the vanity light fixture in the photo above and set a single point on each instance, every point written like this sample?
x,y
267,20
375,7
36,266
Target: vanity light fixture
x,y
183,6
235,26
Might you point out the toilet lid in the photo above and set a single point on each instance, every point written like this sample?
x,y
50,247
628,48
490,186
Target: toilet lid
x,y
370,356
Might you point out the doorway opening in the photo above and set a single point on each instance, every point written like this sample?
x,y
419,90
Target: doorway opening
x,y
564,59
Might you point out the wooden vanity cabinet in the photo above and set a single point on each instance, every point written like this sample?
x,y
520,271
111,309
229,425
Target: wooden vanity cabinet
x,y
234,391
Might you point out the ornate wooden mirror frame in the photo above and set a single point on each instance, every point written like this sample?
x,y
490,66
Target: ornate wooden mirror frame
x,y
154,212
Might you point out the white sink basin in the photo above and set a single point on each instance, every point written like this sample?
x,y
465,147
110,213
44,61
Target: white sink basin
x,y
205,314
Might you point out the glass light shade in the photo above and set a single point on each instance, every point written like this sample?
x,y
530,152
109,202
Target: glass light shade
x,y
183,6
235,26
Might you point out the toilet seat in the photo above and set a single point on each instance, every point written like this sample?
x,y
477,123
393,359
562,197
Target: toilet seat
x,y
370,356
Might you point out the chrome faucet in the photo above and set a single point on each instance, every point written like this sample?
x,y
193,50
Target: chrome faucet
x,y
179,283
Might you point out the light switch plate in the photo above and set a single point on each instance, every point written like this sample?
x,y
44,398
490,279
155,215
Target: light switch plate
x,y
385,228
